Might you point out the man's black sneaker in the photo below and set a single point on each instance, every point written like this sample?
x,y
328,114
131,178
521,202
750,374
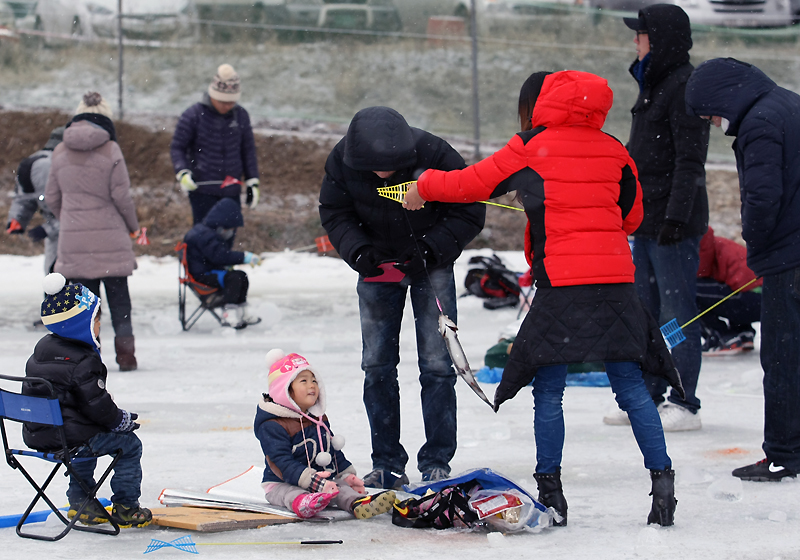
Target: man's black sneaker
x,y
763,471
389,480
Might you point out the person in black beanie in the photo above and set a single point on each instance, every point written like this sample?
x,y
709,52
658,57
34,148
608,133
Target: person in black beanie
x,y
669,148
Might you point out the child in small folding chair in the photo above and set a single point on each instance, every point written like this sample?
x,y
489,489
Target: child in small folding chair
x,y
210,258
69,358
305,467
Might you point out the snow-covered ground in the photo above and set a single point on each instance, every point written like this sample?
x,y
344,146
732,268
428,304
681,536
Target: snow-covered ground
x,y
196,395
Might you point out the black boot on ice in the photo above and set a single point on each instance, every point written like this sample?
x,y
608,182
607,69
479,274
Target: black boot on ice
x,y
664,501
552,495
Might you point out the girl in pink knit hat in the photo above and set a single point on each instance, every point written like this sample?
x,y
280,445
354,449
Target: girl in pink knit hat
x,y
305,467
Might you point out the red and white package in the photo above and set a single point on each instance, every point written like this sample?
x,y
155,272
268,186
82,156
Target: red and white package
x,y
491,502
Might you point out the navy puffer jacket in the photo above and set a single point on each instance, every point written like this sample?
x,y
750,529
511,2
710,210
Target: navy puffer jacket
x,y
213,146
354,215
79,378
207,251
765,119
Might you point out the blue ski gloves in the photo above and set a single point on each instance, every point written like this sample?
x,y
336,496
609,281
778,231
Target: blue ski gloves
x,y
127,423
252,259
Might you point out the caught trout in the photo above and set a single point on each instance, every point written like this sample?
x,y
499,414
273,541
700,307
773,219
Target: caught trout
x,y
447,329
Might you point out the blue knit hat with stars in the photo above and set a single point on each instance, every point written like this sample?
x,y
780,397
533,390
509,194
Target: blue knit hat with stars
x,y
69,310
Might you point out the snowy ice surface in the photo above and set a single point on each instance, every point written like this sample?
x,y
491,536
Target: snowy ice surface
x,y
196,395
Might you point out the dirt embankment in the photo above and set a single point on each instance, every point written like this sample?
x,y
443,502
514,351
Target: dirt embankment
x,y
291,168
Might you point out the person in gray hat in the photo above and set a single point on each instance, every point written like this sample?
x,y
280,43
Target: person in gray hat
x,y
28,197
669,148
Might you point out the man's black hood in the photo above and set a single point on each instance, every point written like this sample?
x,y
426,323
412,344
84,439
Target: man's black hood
x,y
726,87
670,38
379,139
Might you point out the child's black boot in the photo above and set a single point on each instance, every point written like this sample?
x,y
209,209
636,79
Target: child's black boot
x,y
551,494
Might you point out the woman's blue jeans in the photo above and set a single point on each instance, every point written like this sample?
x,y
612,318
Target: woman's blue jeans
x,y
381,306
632,397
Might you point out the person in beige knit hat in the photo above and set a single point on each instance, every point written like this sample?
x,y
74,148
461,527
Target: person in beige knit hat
x,y
213,148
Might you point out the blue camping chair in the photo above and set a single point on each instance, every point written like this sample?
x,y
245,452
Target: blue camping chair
x,y
17,407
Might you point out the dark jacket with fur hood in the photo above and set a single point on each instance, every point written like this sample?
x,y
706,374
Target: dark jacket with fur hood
x,y
668,146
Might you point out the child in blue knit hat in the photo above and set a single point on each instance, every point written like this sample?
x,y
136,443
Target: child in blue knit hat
x,y
69,358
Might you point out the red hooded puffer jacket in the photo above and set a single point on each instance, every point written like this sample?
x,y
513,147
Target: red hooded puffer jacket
x,y
578,185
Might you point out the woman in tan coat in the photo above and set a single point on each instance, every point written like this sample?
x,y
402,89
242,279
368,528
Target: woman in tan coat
x,y
88,190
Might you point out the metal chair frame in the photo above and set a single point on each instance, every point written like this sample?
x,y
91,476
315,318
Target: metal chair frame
x,y
208,295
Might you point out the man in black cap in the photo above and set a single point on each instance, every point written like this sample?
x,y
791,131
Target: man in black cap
x,y
669,148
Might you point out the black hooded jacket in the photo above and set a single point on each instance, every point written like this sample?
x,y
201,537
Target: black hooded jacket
x,y
207,251
765,119
79,378
668,146
354,215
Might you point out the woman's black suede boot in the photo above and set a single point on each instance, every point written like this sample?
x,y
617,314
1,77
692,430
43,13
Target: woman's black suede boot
x,y
552,495
664,501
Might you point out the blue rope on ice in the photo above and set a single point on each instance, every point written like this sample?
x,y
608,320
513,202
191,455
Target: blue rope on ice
x,y
184,543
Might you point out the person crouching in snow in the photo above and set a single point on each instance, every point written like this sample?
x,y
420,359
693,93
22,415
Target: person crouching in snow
x,y
69,359
305,467
210,258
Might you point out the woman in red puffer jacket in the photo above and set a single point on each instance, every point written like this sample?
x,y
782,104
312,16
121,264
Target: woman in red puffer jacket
x,y
579,189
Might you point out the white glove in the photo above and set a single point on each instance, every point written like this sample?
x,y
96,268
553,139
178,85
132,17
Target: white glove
x,y
184,176
253,192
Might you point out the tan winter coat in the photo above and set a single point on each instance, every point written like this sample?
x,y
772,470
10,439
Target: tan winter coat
x,y
88,190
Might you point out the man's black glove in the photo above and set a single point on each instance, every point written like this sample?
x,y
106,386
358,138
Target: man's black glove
x,y
671,232
366,263
416,259
37,234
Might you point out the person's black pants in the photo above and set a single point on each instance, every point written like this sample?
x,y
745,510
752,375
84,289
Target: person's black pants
x,y
732,317
117,298
235,285
202,203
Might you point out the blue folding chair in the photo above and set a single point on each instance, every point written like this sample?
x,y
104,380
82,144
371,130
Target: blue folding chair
x,y
17,407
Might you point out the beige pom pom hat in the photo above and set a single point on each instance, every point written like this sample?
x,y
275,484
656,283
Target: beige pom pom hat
x,y
226,85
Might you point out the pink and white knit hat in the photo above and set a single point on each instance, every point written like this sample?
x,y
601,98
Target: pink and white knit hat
x,y
283,369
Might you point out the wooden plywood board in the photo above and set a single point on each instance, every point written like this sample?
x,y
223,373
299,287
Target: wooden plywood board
x,y
206,520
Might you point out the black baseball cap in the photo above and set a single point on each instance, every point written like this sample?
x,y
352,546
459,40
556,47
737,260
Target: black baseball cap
x,y
637,24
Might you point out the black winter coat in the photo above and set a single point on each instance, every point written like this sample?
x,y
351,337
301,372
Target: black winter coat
x,y
668,146
213,146
587,323
765,119
207,251
79,378
354,215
